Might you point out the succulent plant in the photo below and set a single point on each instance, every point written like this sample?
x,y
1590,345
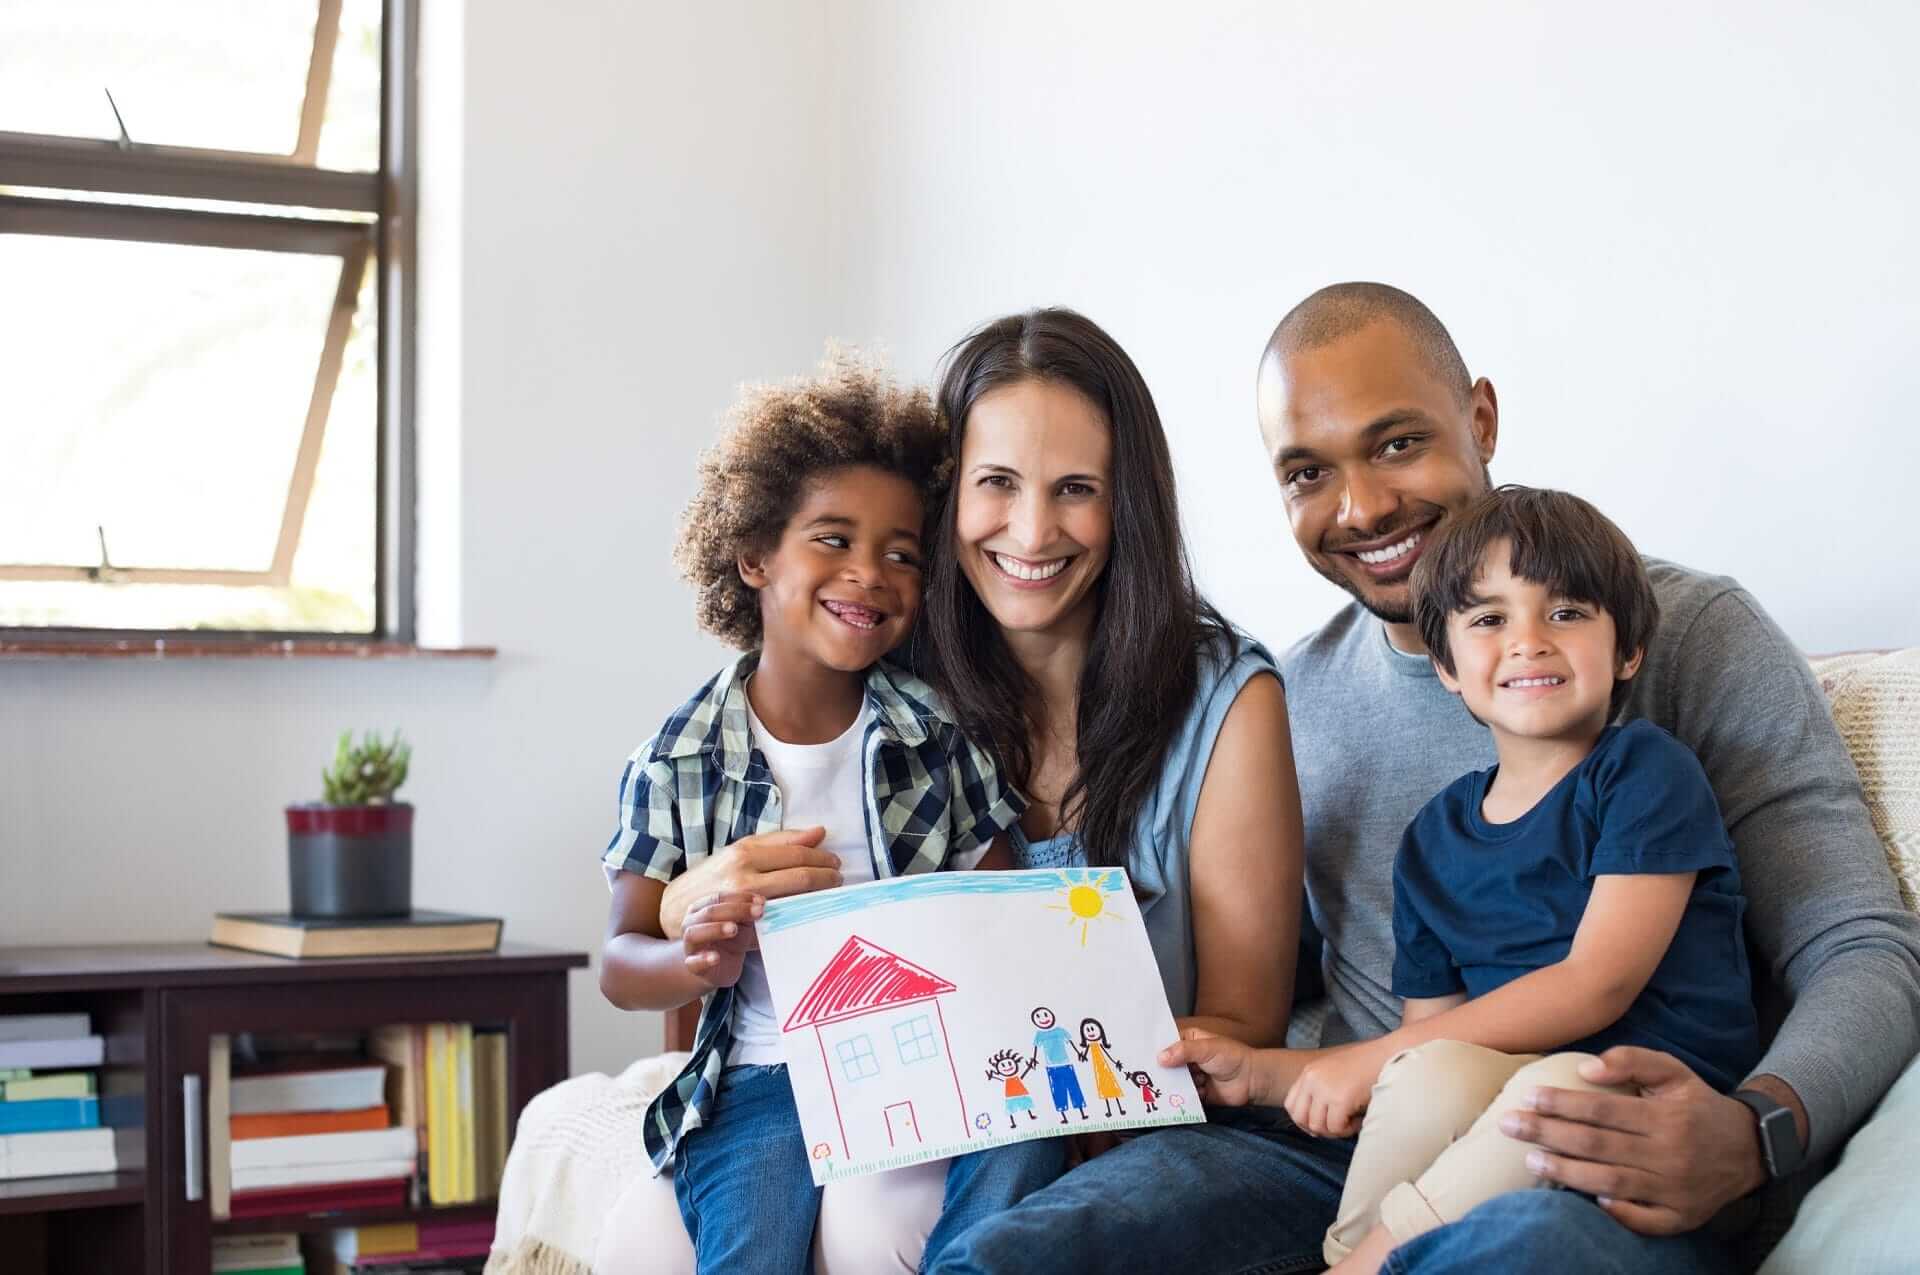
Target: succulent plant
x,y
368,774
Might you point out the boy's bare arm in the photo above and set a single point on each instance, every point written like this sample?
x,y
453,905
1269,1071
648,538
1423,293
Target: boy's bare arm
x,y
1625,931
641,969
1415,1008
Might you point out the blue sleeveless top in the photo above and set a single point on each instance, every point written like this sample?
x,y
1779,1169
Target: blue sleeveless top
x,y
1157,860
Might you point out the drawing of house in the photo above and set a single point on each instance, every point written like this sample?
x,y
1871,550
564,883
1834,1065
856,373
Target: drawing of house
x,y
883,1039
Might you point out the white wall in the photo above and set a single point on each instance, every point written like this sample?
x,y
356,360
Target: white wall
x,y
1680,243
1679,238
638,220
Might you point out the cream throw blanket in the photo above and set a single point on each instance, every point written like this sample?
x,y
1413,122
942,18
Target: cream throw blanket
x,y
577,1147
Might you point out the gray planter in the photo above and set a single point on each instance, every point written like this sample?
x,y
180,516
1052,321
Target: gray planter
x,y
350,861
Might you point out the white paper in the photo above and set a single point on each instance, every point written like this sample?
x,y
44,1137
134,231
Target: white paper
x,y
904,1005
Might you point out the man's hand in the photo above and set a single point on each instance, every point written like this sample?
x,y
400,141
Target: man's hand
x,y
1333,1089
1662,1163
772,865
1224,1070
719,935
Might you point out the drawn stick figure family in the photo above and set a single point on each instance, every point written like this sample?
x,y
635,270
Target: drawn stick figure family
x,y
1061,1051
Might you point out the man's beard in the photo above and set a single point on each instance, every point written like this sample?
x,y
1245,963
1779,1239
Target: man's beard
x,y
1391,613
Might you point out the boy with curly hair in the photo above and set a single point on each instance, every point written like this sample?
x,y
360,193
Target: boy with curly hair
x,y
804,546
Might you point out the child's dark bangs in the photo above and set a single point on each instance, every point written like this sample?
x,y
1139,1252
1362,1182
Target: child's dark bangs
x,y
1562,558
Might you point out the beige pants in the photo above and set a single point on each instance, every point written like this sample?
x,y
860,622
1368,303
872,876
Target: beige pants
x,y
1431,1147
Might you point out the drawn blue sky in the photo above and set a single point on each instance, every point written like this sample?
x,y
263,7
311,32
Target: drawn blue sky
x,y
784,914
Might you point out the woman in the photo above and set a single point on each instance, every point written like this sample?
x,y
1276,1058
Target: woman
x,y
1062,625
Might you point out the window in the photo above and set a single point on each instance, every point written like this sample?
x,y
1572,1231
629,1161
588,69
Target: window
x,y
914,1039
856,1058
203,210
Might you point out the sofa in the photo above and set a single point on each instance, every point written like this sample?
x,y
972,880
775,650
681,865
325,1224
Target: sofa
x,y
579,1143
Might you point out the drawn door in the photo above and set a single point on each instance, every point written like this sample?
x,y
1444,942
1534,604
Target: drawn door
x,y
902,1128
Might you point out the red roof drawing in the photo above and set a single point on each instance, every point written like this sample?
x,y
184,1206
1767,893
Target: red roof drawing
x,y
859,979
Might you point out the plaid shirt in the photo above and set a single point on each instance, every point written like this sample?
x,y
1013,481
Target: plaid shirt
x,y
700,785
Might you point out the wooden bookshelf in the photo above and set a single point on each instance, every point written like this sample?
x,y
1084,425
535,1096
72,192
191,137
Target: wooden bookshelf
x,y
159,1005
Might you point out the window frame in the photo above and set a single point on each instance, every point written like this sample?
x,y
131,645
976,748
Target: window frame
x,y
391,193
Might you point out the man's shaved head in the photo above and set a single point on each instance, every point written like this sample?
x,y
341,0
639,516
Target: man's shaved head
x,y
1342,309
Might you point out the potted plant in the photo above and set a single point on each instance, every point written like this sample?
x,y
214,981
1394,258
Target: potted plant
x,y
351,855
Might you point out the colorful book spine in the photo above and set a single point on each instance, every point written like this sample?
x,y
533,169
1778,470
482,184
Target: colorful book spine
x,y
49,1115
61,1084
289,1124
440,1177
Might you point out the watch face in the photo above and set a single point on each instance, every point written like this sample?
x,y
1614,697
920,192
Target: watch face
x,y
1781,1140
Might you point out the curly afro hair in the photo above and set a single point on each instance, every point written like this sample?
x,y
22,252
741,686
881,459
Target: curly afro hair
x,y
777,440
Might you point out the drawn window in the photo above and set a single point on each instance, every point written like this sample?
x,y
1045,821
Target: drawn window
x,y
914,1039
857,1061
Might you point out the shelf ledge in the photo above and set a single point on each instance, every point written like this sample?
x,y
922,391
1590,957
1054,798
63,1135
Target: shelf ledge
x,y
230,649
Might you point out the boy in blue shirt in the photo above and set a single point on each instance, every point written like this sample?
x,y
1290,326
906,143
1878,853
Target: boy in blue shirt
x,y
1581,894
804,544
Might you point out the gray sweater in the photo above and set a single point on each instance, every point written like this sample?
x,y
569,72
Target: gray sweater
x,y
1375,736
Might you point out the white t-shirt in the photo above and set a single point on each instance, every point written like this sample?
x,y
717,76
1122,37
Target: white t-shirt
x,y
820,785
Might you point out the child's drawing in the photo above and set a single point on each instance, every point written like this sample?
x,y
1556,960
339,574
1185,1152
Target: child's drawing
x,y
876,1020
1005,1066
1149,1096
882,988
1094,1048
1051,1041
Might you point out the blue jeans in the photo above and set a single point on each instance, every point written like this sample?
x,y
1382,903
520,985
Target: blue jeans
x,y
742,1180
988,1183
1248,1194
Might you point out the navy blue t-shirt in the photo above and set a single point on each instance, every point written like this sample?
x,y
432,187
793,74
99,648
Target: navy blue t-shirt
x,y
1478,904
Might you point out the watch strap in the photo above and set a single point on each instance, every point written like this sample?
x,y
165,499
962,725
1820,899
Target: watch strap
x,y
1779,1136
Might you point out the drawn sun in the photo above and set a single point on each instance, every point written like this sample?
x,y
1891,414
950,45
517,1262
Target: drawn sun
x,y
1083,901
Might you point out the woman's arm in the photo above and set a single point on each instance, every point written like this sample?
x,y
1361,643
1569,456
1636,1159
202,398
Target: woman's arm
x,y
641,969
1245,864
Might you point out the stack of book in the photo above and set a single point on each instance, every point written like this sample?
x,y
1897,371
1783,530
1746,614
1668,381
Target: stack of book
x,y
412,1248
50,1097
458,1091
304,1139
277,1254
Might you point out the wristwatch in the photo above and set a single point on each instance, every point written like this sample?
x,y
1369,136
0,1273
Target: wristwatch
x,y
1779,1137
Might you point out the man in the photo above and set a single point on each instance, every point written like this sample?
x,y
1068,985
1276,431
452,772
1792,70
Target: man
x,y
1376,434
1052,1040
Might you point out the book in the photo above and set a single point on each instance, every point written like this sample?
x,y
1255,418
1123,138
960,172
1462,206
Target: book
x,y
403,1047
44,1026
333,1198
45,1114
346,1171
323,1148
418,934
219,1126
59,1084
350,1088
52,1052
353,1243
41,1155
466,1185
426,1256
288,1124
440,1179
490,1111
249,1254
